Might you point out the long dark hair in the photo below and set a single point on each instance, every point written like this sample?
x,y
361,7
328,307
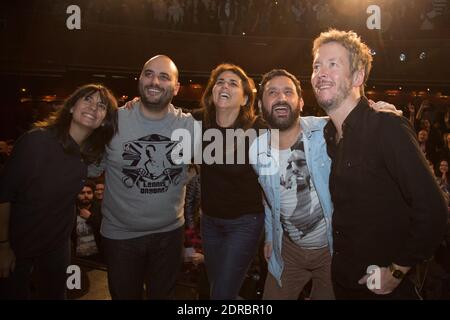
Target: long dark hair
x,y
94,146
246,115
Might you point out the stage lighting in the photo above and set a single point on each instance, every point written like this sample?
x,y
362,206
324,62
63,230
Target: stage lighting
x,y
422,55
402,57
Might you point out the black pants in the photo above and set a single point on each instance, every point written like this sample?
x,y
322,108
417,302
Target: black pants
x,y
42,277
154,259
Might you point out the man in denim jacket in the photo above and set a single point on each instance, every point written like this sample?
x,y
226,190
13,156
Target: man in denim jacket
x,y
293,169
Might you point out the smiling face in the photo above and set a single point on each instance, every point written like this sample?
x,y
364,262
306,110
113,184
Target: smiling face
x,y
88,112
158,83
228,92
331,78
280,103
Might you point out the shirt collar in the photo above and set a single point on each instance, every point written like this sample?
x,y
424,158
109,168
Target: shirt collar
x,y
352,120
308,127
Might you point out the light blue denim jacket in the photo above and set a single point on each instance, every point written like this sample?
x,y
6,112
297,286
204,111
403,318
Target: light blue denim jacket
x,y
265,161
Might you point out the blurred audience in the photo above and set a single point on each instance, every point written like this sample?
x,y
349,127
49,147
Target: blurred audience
x,y
86,234
262,17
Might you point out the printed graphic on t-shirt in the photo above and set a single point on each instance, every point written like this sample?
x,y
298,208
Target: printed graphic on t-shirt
x,y
301,215
86,245
151,168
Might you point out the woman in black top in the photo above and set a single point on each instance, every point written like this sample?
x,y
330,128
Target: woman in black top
x,y
38,188
231,200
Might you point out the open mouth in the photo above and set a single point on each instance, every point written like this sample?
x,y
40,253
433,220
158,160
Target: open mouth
x,y
89,116
281,110
324,86
154,91
224,95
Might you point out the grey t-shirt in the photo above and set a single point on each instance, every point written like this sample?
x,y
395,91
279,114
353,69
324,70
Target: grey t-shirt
x,y
145,188
302,216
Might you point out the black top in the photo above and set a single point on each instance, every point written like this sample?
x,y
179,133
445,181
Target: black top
x,y
41,182
387,205
229,191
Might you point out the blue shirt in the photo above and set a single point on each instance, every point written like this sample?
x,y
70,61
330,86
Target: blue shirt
x,y
266,163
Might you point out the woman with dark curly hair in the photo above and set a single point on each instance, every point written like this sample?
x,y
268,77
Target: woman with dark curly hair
x,y
38,188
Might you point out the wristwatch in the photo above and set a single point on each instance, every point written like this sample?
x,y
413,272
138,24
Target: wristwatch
x,y
396,273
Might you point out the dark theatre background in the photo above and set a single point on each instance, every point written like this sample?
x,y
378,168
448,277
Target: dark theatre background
x,y
42,61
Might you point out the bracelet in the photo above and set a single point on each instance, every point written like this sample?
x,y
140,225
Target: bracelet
x,y
4,241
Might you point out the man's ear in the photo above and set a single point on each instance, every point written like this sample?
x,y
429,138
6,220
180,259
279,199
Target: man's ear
x,y
358,78
260,106
301,103
175,90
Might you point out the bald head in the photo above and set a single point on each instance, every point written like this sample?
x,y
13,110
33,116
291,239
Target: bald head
x,y
158,84
165,60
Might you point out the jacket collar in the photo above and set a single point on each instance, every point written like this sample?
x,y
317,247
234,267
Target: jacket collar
x,y
308,126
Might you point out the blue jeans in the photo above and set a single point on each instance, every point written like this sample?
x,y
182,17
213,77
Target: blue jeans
x,y
229,246
48,272
154,259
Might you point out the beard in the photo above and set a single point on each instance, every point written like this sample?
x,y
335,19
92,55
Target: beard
x,y
159,104
85,203
281,123
328,105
